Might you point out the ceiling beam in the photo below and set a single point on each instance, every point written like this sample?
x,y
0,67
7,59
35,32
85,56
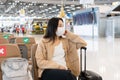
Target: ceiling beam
x,y
105,2
3,1
50,1
66,2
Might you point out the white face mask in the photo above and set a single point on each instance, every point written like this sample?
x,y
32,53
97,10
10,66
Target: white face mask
x,y
60,31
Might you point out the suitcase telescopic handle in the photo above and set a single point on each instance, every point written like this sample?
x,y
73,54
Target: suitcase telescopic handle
x,y
83,48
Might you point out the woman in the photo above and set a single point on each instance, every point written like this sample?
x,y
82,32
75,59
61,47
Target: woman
x,y
56,56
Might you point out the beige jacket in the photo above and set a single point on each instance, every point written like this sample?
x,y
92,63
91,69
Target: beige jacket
x,y
45,52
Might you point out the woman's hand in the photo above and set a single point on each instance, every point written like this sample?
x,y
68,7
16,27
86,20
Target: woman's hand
x,y
62,67
65,32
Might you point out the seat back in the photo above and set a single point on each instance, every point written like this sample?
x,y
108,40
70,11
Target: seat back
x,y
1,33
28,41
23,50
34,64
6,37
12,40
3,40
8,51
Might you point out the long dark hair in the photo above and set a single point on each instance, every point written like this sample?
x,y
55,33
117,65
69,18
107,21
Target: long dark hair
x,y
52,28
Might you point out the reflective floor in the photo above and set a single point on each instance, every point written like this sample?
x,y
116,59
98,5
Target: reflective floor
x,y
103,56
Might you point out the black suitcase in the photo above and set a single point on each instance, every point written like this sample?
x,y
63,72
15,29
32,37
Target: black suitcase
x,y
85,74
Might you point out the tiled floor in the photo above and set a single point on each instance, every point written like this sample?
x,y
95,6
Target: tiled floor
x,y
103,55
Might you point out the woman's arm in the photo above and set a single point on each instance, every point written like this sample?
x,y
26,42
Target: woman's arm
x,y
76,39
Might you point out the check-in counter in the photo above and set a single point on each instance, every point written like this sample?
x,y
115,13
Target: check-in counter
x,y
109,27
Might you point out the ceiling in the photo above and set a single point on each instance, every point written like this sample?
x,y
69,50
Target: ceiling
x,y
117,8
41,8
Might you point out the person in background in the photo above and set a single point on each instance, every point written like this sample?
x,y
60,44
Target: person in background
x,y
11,30
56,56
2,30
23,30
17,30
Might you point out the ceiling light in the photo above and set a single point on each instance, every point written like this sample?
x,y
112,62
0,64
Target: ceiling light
x,y
40,12
40,6
21,3
67,10
67,7
32,14
43,11
54,7
24,7
27,6
31,11
24,3
78,7
13,3
57,9
53,11
73,9
46,9
59,5
9,3
44,14
30,4
34,4
49,8
72,5
17,1
1,3
50,12
45,4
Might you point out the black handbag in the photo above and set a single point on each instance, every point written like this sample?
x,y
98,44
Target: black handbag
x,y
85,74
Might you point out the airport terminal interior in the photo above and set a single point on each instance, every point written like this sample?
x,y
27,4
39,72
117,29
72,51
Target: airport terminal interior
x,y
96,21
